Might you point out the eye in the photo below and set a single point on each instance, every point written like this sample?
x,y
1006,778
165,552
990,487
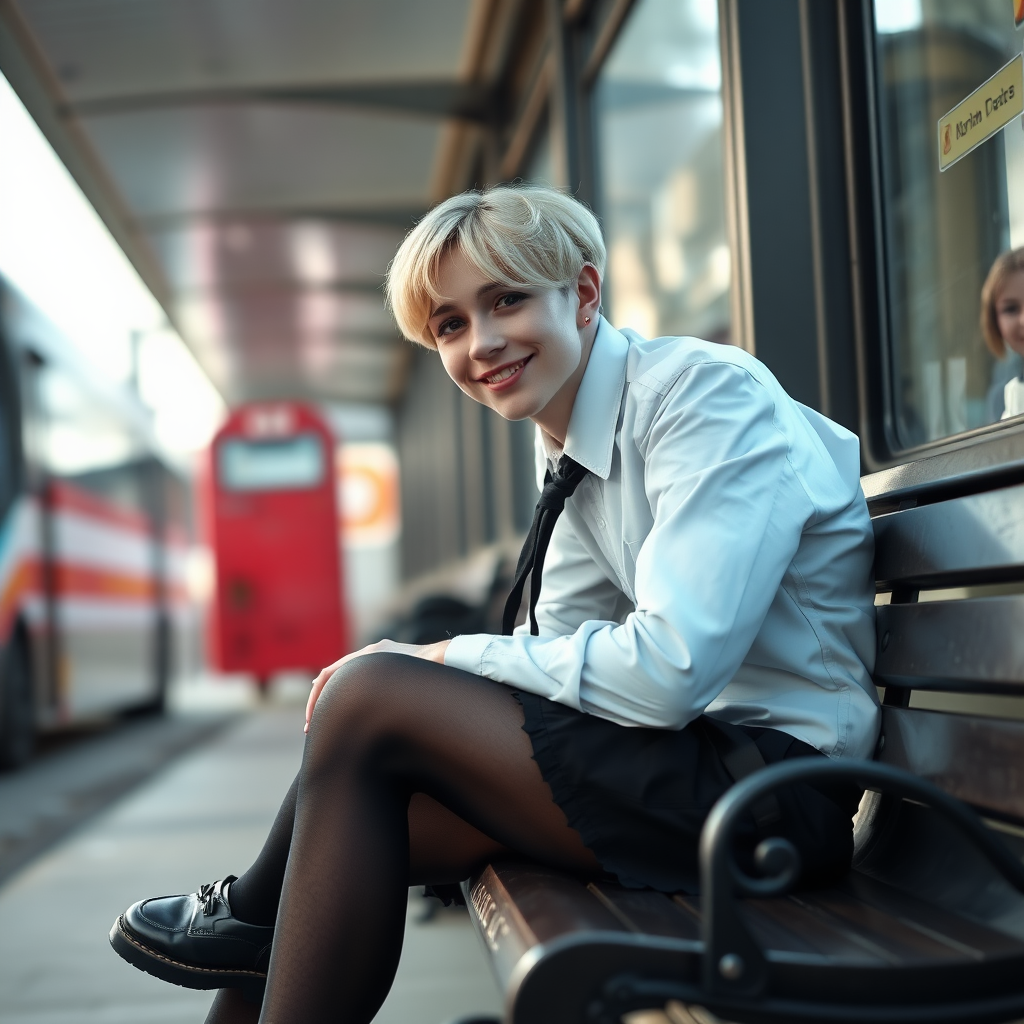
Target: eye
x,y
509,299
449,326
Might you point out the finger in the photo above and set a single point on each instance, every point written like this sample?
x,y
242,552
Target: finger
x,y
324,677
326,673
318,686
313,694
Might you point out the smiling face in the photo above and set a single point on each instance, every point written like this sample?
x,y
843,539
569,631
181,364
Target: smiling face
x,y
1009,306
522,351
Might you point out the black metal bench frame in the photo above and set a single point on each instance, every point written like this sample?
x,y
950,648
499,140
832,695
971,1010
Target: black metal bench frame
x,y
928,926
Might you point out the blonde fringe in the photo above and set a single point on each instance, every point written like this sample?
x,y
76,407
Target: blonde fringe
x,y
527,235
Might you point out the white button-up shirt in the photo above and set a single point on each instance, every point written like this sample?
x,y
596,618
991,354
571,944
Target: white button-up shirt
x,y
717,557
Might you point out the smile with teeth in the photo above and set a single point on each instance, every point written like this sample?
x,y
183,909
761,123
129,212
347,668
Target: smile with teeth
x,y
504,373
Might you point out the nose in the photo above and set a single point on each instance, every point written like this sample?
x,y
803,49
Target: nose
x,y
486,340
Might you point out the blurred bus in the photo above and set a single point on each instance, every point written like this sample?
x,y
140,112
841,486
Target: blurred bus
x,y
270,496
92,539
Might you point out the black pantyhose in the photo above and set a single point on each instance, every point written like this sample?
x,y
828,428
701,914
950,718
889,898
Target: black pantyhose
x,y
412,773
254,895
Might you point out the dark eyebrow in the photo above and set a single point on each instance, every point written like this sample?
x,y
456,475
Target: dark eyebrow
x,y
447,307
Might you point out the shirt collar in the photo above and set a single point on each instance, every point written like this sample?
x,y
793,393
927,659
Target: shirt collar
x,y
590,439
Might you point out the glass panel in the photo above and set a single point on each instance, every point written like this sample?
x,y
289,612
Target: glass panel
x,y
659,109
540,168
84,442
286,465
83,435
944,230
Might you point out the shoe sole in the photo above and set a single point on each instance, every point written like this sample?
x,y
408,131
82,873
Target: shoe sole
x,y
141,957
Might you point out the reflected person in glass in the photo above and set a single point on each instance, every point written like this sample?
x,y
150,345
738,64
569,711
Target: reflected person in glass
x,y
1002,320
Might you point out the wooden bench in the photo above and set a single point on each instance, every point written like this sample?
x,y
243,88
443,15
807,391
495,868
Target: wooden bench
x,y
929,924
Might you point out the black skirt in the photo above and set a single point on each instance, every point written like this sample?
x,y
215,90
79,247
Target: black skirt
x,y
638,797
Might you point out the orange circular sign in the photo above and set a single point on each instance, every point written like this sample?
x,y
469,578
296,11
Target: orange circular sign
x,y
368,494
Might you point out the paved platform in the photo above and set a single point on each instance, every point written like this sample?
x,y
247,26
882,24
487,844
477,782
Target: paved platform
x,y
78,773
169,835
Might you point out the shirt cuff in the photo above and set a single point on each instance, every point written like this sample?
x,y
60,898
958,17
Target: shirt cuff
x,y
467,652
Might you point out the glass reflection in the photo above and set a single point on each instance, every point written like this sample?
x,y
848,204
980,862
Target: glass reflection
x,y
659,110
1002,325
83,436
943,231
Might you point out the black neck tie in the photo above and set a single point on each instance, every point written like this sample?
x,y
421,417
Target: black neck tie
x,y
557,487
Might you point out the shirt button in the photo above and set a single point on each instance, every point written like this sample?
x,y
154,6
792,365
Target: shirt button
x,y
601,524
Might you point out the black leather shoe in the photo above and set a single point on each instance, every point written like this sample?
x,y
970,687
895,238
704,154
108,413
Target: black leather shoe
x,y
195,941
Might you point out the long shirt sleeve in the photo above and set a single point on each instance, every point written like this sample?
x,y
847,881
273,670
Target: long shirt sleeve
x,y
681,571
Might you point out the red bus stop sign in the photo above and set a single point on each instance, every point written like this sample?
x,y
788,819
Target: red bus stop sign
x,y
274,531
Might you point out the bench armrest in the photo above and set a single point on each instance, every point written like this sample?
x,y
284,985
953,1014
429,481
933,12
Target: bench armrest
x,y
733,963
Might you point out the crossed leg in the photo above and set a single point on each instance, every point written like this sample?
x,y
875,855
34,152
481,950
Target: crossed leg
x,y
412,773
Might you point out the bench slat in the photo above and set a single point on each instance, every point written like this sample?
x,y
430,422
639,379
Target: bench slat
x,y
972,539
965,933
978,760
972,645
514,913
646,912
553,941
862,926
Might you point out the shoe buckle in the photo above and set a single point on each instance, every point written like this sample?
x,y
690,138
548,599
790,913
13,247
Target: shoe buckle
x,y
207,895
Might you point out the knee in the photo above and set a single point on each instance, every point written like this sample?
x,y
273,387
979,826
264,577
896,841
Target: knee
x,y
351,715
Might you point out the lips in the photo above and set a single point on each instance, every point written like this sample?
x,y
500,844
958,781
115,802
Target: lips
x,y
505,376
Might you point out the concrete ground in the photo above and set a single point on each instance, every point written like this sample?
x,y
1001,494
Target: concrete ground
x,y
203,816
77,773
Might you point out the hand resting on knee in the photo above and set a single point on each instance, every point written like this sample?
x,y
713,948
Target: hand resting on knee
x,y
426,652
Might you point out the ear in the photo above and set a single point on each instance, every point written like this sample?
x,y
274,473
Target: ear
x,y
588,290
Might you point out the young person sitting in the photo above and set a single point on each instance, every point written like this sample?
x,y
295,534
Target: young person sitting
x,y
706,589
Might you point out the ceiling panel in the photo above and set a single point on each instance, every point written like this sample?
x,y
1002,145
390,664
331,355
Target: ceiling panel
x,y
197,159
286,317
367,373
272,216
200,255
113,47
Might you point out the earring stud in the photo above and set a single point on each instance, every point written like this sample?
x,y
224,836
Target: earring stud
x,y
586,319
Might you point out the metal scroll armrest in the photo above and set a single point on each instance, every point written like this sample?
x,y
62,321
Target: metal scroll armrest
x,y
733,963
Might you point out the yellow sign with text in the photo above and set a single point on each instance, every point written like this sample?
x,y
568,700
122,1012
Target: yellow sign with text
x,y
990,107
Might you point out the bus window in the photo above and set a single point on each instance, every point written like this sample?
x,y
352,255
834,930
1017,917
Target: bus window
x,y
943,230
86,444
659,111
286,464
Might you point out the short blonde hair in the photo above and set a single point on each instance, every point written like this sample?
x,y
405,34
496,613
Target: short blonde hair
x,y
1006,264
530,235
